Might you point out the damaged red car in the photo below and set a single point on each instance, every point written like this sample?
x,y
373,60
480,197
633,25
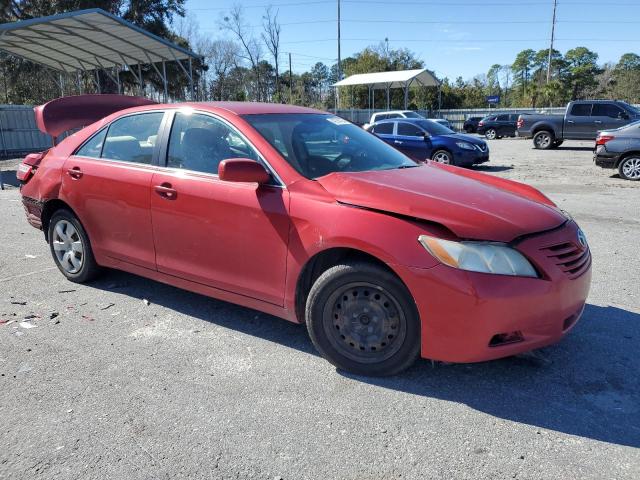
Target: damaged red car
x,y
303,215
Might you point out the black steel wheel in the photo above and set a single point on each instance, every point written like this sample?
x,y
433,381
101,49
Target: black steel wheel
x,y
363,320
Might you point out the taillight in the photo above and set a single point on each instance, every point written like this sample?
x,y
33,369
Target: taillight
x,y
29,165
520,123
480,124
602,139
24,172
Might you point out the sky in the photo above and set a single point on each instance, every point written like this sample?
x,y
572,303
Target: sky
x,y
454,38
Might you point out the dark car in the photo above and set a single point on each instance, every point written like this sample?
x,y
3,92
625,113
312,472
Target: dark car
x,y
582,120
498,126
470,125
620,148
422,140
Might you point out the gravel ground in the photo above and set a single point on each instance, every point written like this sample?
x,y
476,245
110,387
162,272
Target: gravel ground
x,y
106,385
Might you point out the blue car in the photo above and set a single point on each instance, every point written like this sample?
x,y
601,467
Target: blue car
x,y
422,139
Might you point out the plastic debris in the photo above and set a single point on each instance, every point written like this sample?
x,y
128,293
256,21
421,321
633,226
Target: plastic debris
x,y
30,256
107,306
53,315
66,291
18,303
146,302
27,325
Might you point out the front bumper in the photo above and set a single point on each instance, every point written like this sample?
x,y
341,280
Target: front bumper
x,y
463,312
466,158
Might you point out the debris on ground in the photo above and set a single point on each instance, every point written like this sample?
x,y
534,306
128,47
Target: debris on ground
x,y
30,256
66,291
18,303
53,315
27,325
146,302
107,306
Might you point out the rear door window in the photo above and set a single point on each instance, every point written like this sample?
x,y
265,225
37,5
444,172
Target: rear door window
x,y
503,118
93,147
132,138
581,110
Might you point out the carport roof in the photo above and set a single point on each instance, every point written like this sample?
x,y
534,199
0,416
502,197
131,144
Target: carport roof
x,y
86,40
397,79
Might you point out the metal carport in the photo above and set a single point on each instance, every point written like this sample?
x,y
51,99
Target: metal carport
x,y
388,80
94,40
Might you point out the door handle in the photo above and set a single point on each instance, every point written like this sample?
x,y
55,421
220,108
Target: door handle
x,y
570,121
398,142
75,172
166,191
597,121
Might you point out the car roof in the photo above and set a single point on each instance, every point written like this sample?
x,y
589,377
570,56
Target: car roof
x,y
238,108
407,120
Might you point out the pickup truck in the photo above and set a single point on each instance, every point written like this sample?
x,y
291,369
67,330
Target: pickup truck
x,y
581,121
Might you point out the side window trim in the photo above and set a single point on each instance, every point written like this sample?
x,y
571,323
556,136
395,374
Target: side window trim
x,y
95,134
166,133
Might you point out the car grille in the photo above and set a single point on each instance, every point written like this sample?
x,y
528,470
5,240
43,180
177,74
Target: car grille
x,y
572,259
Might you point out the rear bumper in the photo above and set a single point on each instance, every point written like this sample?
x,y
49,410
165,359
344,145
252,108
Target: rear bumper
x,y
462,312
603,158
33,210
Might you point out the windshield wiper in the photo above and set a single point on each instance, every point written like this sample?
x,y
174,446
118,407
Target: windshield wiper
x,y
407,166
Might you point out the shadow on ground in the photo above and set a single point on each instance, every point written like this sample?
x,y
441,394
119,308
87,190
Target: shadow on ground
x,y
492,168
575,148
587,385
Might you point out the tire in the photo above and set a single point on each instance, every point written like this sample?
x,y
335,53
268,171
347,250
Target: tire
x,y
629,168
491,134
543,140
377,305
443,156
70,247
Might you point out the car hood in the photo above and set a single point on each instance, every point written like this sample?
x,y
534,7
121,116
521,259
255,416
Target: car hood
x,y
481,208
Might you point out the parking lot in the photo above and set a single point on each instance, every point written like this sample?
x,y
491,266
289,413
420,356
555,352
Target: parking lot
x,y
127,378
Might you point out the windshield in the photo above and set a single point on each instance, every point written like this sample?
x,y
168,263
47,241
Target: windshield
x,y
318,144
434,128
412,115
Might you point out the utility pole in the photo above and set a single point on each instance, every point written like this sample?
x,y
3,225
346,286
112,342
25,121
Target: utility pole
x,y
290,82
553,31
339,62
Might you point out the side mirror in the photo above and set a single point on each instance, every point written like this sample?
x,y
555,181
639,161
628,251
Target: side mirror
x,y
242,170
623,116
426,136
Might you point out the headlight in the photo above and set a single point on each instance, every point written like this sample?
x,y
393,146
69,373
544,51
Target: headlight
x,y
485,257
465,145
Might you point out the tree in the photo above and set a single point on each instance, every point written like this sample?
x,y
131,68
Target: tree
x,y
522,67
271,38
628,62
583,68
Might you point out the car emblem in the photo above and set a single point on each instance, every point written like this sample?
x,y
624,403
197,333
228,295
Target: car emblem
x,y
582,238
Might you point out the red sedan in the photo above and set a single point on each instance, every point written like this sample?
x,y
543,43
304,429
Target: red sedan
x,y
303,215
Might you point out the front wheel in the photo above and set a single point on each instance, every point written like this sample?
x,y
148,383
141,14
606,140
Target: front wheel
x,y
629,168
543,140
363,320
442,156
70,247
491,134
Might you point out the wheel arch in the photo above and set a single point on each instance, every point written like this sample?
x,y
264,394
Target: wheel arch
x,y
625,155
324,260
49,208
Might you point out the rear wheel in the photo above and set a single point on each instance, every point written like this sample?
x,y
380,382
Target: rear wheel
x,y
442,156
629,168
363,319
70,247
491,134
543,140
